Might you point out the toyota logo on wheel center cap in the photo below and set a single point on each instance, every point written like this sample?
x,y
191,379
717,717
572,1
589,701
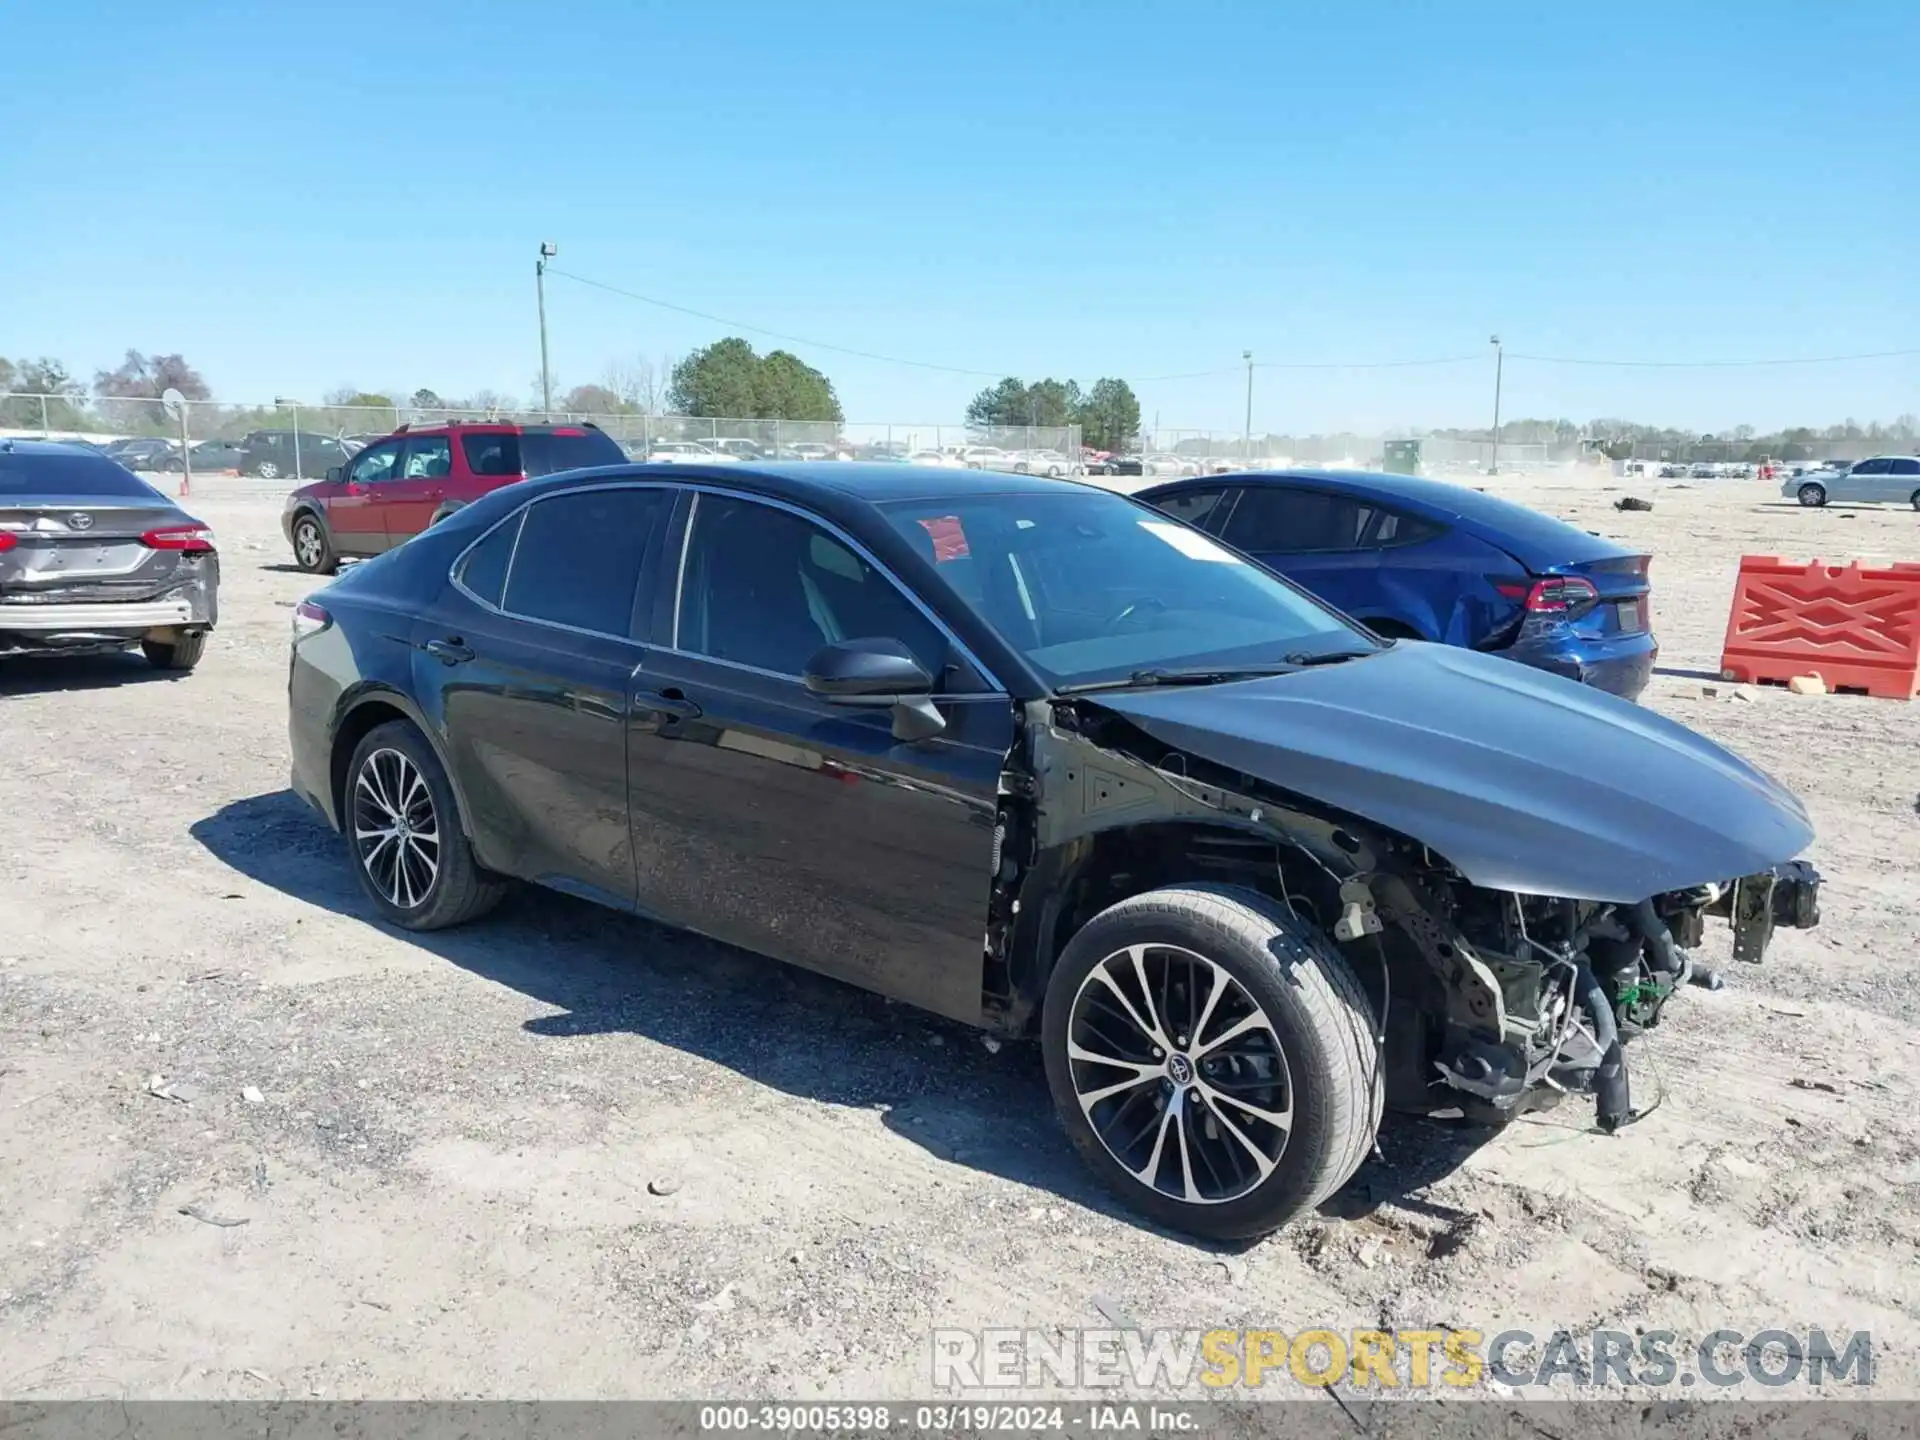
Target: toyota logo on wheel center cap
x,y
1180,1070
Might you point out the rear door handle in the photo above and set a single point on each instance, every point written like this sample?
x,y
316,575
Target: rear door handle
x,y
451,651
670,702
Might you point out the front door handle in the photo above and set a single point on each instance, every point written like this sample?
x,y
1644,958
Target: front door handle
x,y
451,651
670,702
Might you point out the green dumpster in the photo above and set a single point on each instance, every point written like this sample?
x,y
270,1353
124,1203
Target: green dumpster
x,y
1402,457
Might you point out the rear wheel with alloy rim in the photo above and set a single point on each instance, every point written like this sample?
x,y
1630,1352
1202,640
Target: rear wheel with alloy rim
x,y
410,853
1212,1058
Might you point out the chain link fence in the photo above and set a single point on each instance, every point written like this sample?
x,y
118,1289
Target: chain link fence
x,y
287,440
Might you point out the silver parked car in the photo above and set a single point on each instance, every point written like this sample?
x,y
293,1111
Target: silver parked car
x,y
94,559
1885,478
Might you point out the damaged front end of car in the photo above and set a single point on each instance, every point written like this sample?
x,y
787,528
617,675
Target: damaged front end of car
x,y
1491,998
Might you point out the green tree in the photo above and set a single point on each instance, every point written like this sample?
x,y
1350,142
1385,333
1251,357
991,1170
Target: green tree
x,y
718,379
1001,404
1110,415
787,388
726,379
425,399
62,409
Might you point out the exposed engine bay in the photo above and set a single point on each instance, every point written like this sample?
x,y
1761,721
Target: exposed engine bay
x,y
1490,1001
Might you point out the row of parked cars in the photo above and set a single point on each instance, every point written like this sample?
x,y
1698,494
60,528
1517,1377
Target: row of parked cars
x,y
1105,771
264,454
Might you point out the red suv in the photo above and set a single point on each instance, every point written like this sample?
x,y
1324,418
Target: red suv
x,y
397,487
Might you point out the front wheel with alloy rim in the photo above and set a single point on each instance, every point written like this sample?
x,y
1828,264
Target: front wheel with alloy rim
x,y
1213,1058
410,853
312,551
1813,496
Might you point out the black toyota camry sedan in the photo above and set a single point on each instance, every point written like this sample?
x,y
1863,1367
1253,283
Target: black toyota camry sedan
x,y
1044,759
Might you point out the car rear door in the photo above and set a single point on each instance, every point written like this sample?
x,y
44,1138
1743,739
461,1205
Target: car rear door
x,y
527,661
1313,537
768,818
405,503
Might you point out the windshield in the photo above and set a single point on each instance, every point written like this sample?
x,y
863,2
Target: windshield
x,y
1090,586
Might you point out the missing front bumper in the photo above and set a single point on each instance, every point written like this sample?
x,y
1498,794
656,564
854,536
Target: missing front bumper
x,y
1756,905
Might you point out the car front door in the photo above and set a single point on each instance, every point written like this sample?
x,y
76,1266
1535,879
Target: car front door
x,y
1903,480
406,503
764,816
526,663
1865,481
353,509
1313,537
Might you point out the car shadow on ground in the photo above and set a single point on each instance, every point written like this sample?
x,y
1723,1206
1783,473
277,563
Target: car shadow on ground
x,y
1682,672
937,1083
40,674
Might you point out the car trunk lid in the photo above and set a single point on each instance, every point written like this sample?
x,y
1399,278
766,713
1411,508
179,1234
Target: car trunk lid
x,y
67,550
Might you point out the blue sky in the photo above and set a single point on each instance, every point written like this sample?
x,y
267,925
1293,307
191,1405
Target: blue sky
x,y
353,194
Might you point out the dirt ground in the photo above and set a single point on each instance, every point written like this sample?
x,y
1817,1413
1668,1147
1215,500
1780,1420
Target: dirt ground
x,y
443,1150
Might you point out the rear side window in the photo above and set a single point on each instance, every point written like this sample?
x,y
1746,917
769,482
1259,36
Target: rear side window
x,y
547,452
491,454
1291,521
484,571
70,472
1904,467
1192,506
579,558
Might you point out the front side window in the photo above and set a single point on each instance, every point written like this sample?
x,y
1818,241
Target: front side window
x,y
1269,519
767,588
375,464
578,558
1871,467
1192,506
1090,586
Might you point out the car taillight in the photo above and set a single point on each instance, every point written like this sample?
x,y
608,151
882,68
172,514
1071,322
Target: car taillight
x,y
1555,596
193,539
309,619
8,540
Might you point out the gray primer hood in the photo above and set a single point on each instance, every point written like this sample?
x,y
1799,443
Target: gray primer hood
x,y
1522,780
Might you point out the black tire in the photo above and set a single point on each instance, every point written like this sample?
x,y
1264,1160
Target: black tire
x,y
456,889
1914,499
1812,496
312,546
181,654
1318,1054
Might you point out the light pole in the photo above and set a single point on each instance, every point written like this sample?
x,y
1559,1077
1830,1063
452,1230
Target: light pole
x,y
1246,435
1493,467
547,251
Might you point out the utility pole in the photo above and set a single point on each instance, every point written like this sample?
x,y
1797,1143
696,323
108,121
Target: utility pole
x,y
1246,435
1499,358
547,251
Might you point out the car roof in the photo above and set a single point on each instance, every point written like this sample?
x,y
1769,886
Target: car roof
x,y
1536,539
834,489
36,447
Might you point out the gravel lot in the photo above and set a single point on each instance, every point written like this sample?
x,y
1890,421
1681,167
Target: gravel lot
x,y
442,1147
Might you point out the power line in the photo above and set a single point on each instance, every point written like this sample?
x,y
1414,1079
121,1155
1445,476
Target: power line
x,y
1711,364
1365,364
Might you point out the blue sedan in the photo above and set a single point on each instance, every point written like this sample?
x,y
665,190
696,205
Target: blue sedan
x,y
1423,560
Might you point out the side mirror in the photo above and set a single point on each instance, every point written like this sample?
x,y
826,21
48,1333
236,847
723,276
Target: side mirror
x,y
877,674
335,473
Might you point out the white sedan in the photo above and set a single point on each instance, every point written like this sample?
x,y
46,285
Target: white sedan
x,y
687,452
1890,479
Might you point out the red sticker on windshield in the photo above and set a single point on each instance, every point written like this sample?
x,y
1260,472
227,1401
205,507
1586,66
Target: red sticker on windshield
x,y
949,540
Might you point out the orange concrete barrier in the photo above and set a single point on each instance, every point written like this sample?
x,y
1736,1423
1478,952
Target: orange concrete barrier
x,y
1857,628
